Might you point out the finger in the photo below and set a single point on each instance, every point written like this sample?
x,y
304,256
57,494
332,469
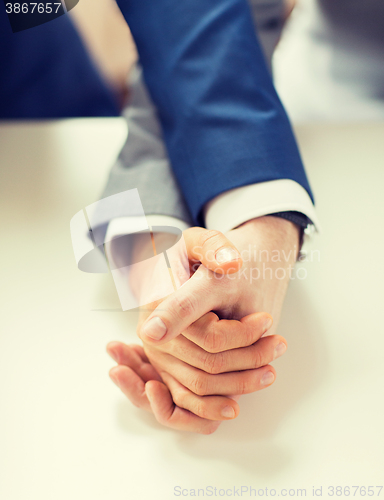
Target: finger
x,y
172,416
182,308
155,397
206,384
213,250
207,407
260,353
216,335
131,385
140,351
145,311
135,358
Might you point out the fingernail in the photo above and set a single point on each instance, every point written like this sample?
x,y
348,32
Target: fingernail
x,y
155,328
148,394
268,378
228,412
267,324
279,350
226,255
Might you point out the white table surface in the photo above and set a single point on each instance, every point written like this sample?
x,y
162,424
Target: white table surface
x,y
68,433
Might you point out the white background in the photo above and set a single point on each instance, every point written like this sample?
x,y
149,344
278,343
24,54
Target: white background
x,y
68,433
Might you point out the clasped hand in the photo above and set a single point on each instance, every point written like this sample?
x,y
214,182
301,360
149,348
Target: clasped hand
x,y
205,345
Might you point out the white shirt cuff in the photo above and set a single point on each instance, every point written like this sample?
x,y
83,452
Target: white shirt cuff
x,y
234,207
127,225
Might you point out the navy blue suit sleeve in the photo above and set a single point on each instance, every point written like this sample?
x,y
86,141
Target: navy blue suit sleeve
x,y
223,123
46,72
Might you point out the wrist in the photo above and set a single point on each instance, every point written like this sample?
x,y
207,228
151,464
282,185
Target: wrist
x,y
269,247
273,233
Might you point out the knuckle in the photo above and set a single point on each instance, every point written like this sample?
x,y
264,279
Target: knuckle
x,y
199,385
200,409
182,306
179,397
258,358
213,342
197,406
249,337
210,236
214,363
243,386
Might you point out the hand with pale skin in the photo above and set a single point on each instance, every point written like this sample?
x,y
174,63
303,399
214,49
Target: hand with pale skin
x,y
182,403
185,377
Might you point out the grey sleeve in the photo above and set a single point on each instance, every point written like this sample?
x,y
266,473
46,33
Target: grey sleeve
x,y
143,162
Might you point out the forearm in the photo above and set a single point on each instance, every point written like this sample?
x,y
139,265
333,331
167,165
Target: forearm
x,y
213,133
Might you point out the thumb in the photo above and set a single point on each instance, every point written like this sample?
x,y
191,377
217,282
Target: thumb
x,y
213,250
